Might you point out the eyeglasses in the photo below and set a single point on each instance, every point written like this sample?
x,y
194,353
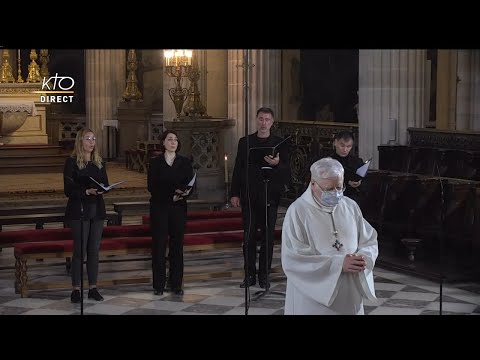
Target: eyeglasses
x,y
331,190
90,138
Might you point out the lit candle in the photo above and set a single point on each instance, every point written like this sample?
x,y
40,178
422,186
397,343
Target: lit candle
x,y
226,168
168,57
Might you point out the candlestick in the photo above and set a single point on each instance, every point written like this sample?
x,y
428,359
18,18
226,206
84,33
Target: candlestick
x,y
226,168
227,197
19,68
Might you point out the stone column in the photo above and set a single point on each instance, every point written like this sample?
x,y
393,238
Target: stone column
x,y
236,102
217,83
392,84
265,83
446,91
202,83
468,90
105,83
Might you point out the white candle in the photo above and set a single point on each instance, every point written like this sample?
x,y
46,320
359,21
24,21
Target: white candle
x,y
226,168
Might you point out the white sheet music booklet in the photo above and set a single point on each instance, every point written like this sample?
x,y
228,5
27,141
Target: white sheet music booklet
x,y
109,187
362,170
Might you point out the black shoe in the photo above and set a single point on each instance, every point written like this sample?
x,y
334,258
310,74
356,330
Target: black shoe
x,y
75,296
158,292
262,282
178,292
251,282
94,294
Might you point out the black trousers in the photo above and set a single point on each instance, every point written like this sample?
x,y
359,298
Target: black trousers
x,y
168,226
92,235
254,219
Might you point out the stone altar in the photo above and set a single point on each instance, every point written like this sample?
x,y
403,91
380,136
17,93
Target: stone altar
x,y
22,114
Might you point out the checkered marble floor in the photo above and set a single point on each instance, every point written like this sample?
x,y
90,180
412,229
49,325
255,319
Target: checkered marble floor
x,y
397,293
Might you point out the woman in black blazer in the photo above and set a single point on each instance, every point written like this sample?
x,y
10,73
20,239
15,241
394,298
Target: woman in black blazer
x,y
86,208
168,176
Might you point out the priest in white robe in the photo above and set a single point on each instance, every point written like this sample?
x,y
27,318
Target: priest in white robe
x,y
328,248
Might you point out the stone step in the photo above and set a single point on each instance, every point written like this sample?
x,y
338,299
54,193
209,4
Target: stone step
x,y
31,159
8,150
31,168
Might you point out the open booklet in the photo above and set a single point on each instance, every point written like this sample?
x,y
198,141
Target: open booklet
x,y
258,153
109,187
361,171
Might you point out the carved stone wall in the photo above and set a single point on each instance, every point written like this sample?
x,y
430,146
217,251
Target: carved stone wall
x,y
450,139
310,141
205,150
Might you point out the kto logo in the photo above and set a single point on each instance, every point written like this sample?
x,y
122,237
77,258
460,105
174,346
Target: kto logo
x,y
57,85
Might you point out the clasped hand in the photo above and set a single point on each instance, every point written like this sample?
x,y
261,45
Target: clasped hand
x,y
179,194
354,263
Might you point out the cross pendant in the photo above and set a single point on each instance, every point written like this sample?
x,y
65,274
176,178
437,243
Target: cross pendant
x,y
337,245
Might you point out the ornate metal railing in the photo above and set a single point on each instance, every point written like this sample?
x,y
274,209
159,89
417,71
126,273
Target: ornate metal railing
x,y
309,142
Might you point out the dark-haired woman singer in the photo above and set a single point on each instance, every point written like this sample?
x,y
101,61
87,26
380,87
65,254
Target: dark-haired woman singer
x,y
168,176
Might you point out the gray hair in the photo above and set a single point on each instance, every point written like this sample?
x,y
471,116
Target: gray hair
x,y
326,168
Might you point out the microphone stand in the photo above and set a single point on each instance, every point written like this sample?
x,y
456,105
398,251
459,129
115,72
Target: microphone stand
x,y
266,178
442,239
81,254
246,65
441,236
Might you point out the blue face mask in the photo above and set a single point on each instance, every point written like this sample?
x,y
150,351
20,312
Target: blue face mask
x,y
331,198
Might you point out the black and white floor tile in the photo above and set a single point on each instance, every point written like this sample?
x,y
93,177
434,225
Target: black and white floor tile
x,y
397,293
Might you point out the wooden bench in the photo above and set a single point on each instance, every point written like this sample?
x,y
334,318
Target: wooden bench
x,y
41,219
116,246
144,206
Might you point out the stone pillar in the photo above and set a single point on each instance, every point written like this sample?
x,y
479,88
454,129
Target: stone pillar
x,y
265,83
202,67
468,90
217,83
392,84
105,83
201,140
236,102
446,100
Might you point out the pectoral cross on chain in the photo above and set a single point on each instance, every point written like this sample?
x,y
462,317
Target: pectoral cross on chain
x,y
337,245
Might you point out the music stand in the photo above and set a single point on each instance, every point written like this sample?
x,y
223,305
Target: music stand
x,y
266,173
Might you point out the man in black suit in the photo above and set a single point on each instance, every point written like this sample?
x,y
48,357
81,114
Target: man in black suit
x,y
343,143
250,195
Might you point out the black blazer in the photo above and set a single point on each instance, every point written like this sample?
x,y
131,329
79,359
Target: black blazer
x,y
164,179
280,173
76,182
